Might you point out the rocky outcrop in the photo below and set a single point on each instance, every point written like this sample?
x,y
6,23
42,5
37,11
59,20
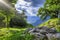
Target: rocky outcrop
x,y
44,33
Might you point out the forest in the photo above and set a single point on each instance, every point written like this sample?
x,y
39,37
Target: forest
x,y
18,21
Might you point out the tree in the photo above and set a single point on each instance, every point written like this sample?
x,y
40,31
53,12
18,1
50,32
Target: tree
x,y
51,8
17,21
8,15
43,13
7,12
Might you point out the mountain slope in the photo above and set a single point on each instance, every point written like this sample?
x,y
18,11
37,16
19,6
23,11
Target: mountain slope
x,y
51,23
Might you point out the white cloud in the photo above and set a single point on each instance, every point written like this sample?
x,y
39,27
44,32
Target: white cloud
x,y
30,10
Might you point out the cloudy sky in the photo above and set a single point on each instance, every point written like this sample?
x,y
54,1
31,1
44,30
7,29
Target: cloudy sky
x,y
30,8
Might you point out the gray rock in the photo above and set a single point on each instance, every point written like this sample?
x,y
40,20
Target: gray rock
x,y
43,31
57,36
34,30
51,30
49,36
44,28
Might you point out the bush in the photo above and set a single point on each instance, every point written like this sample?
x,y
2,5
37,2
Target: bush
x,y
17,22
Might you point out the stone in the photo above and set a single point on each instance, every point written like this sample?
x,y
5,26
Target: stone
x,y
49,36
44,33
35,30
57,36
52,30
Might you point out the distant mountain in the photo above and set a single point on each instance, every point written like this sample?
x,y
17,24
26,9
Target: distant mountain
x,y
35,20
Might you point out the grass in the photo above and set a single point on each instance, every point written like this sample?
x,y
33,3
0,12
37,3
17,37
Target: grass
x,y
51,23
14,34
6,33
17,33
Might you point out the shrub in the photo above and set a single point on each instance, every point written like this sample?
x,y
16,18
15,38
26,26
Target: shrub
x,y
17,22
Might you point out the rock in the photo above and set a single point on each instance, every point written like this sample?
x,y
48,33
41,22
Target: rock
x,y
49,36
52,30
44,28
43,31
34,30
57,36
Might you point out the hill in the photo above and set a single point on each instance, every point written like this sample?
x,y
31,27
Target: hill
x,y
51,23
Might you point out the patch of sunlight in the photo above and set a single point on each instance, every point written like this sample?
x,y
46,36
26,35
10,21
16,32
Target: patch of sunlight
x,y
18,29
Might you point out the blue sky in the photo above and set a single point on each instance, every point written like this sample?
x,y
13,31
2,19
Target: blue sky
x,y
30,8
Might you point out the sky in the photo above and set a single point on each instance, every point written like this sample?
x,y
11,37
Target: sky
x,y
30,8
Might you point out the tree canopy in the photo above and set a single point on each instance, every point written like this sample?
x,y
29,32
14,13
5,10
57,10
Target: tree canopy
x,y
51,8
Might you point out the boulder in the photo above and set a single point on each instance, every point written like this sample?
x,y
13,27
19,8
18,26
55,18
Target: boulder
x,y
44,33
34,30
50,36
51,30
57,36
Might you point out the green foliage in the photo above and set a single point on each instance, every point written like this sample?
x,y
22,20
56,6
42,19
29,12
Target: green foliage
x,y
51,8
43,13
1,17
17,21
52,4
12,2
51,23
8,13
14,34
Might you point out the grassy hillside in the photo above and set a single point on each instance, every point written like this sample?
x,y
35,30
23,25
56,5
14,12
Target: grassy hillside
x,y
51,23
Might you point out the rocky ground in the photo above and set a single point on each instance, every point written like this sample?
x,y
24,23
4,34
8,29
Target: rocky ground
x,y
44,33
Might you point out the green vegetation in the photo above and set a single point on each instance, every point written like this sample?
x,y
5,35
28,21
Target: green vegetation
x,y
13,25
51,8
51,23
14,34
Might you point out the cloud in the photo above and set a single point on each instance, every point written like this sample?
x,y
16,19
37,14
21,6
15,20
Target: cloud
x,y
30,6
